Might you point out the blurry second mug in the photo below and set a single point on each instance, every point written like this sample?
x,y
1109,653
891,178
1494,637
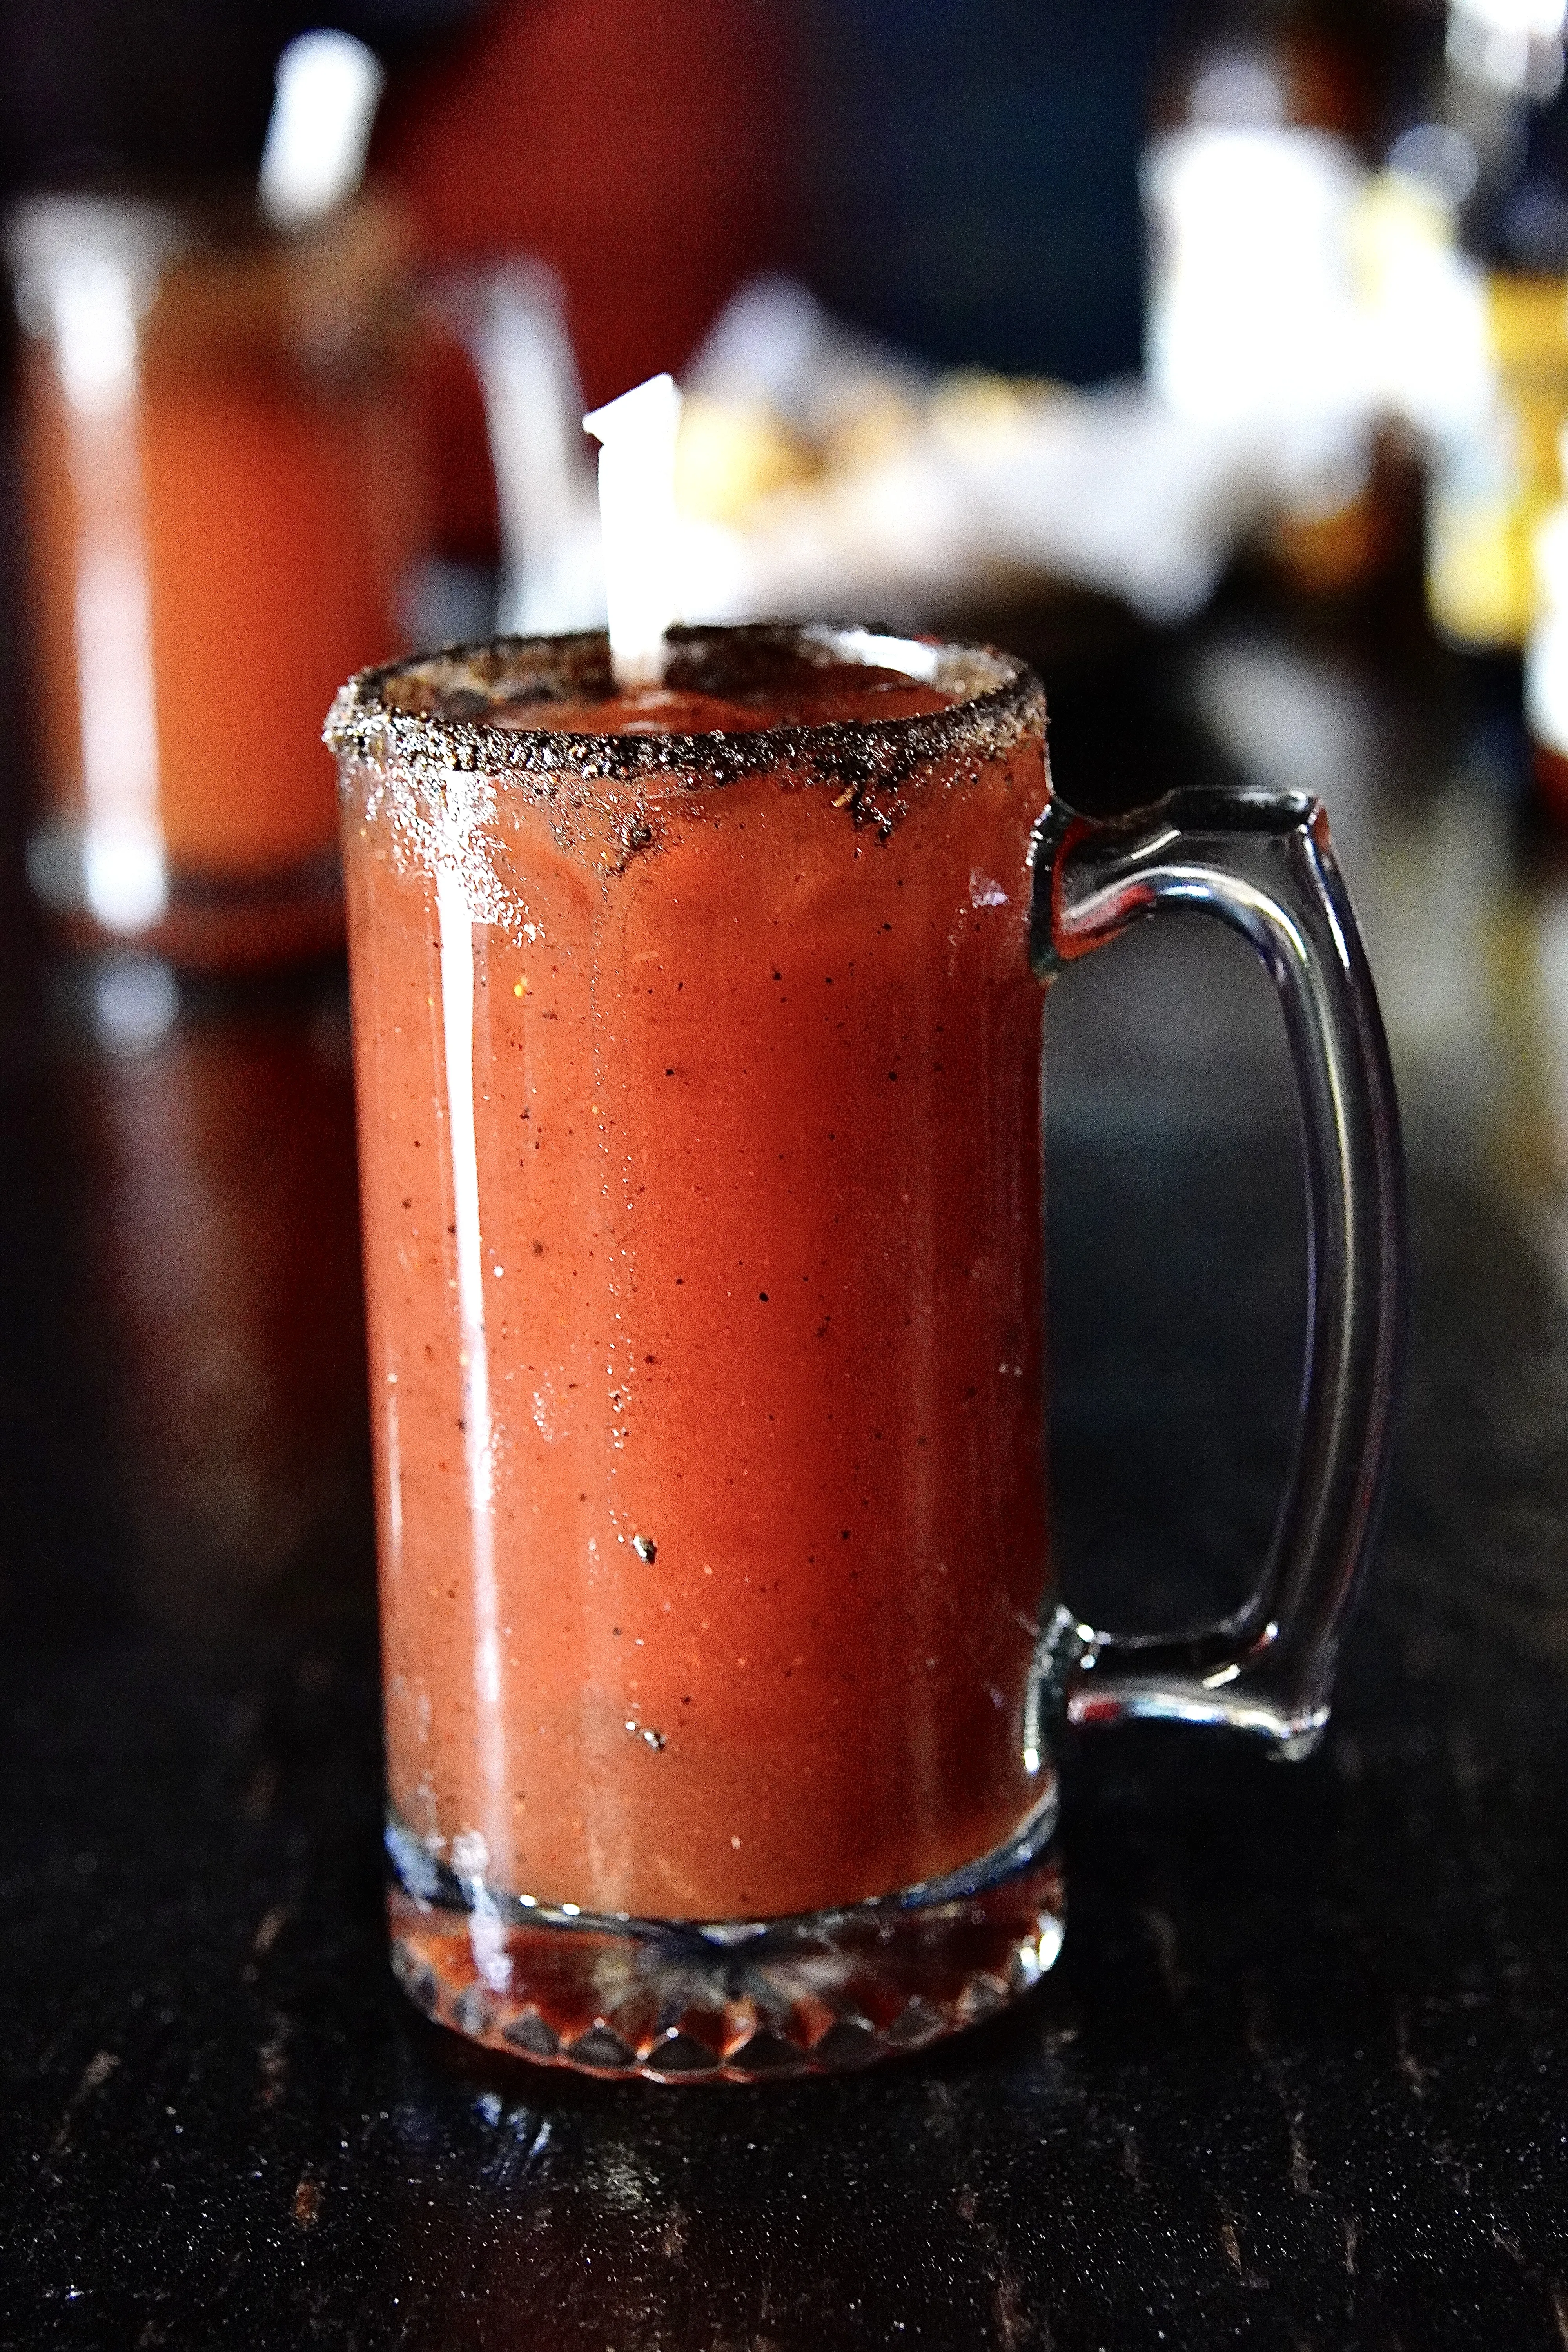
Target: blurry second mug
x,y
221,489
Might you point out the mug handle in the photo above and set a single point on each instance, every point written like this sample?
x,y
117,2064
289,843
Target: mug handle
x,y
1261,861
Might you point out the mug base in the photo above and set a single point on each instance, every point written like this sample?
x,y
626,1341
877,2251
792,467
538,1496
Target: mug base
x,y
731,2001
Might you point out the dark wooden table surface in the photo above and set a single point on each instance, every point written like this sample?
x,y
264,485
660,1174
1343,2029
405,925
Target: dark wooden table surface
x,y
1300,2079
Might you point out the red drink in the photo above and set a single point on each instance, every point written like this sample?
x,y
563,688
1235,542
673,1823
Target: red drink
x,y
217,468
697,1055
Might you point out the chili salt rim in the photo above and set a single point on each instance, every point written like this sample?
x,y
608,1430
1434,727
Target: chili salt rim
x,y
1005,704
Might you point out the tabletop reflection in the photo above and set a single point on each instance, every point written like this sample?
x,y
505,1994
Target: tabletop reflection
x,y
214,1149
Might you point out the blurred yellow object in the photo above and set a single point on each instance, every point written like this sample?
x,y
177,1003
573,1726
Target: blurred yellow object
x,y
1500,477
1392,220
972,409
731,455
883,425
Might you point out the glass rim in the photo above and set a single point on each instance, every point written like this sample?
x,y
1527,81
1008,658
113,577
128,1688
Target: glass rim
x,y
377,715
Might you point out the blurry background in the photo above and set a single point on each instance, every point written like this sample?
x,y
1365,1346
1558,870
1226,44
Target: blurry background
x,y
655,153
1214,357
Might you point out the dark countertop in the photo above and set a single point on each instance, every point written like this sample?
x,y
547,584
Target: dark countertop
x,y
1299,2078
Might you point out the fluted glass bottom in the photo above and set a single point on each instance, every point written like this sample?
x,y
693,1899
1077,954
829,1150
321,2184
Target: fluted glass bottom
x,y
726,2001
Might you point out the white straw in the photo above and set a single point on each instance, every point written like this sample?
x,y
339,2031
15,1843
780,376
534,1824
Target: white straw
x,y
636,513
328,86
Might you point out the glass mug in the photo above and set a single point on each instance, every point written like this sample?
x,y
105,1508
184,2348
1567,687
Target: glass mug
x,y
698,1058
216,445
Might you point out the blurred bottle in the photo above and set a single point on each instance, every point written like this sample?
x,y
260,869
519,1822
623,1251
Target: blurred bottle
x,y
1492,139
221,497
1252,177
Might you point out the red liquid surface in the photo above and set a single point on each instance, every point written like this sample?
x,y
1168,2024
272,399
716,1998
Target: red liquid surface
x,y
703,1240
814,698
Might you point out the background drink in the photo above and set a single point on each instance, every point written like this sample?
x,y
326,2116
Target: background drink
x,y
222,499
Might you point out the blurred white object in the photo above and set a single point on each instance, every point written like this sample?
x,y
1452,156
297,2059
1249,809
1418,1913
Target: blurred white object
x,y
135,1002
86,269
1424,306
638,434
552,576
911,488
1253,321
820,472
1514,45
773,346
328,89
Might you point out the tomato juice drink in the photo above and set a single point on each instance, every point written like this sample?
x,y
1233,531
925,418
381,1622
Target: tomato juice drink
x,y
698,1058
